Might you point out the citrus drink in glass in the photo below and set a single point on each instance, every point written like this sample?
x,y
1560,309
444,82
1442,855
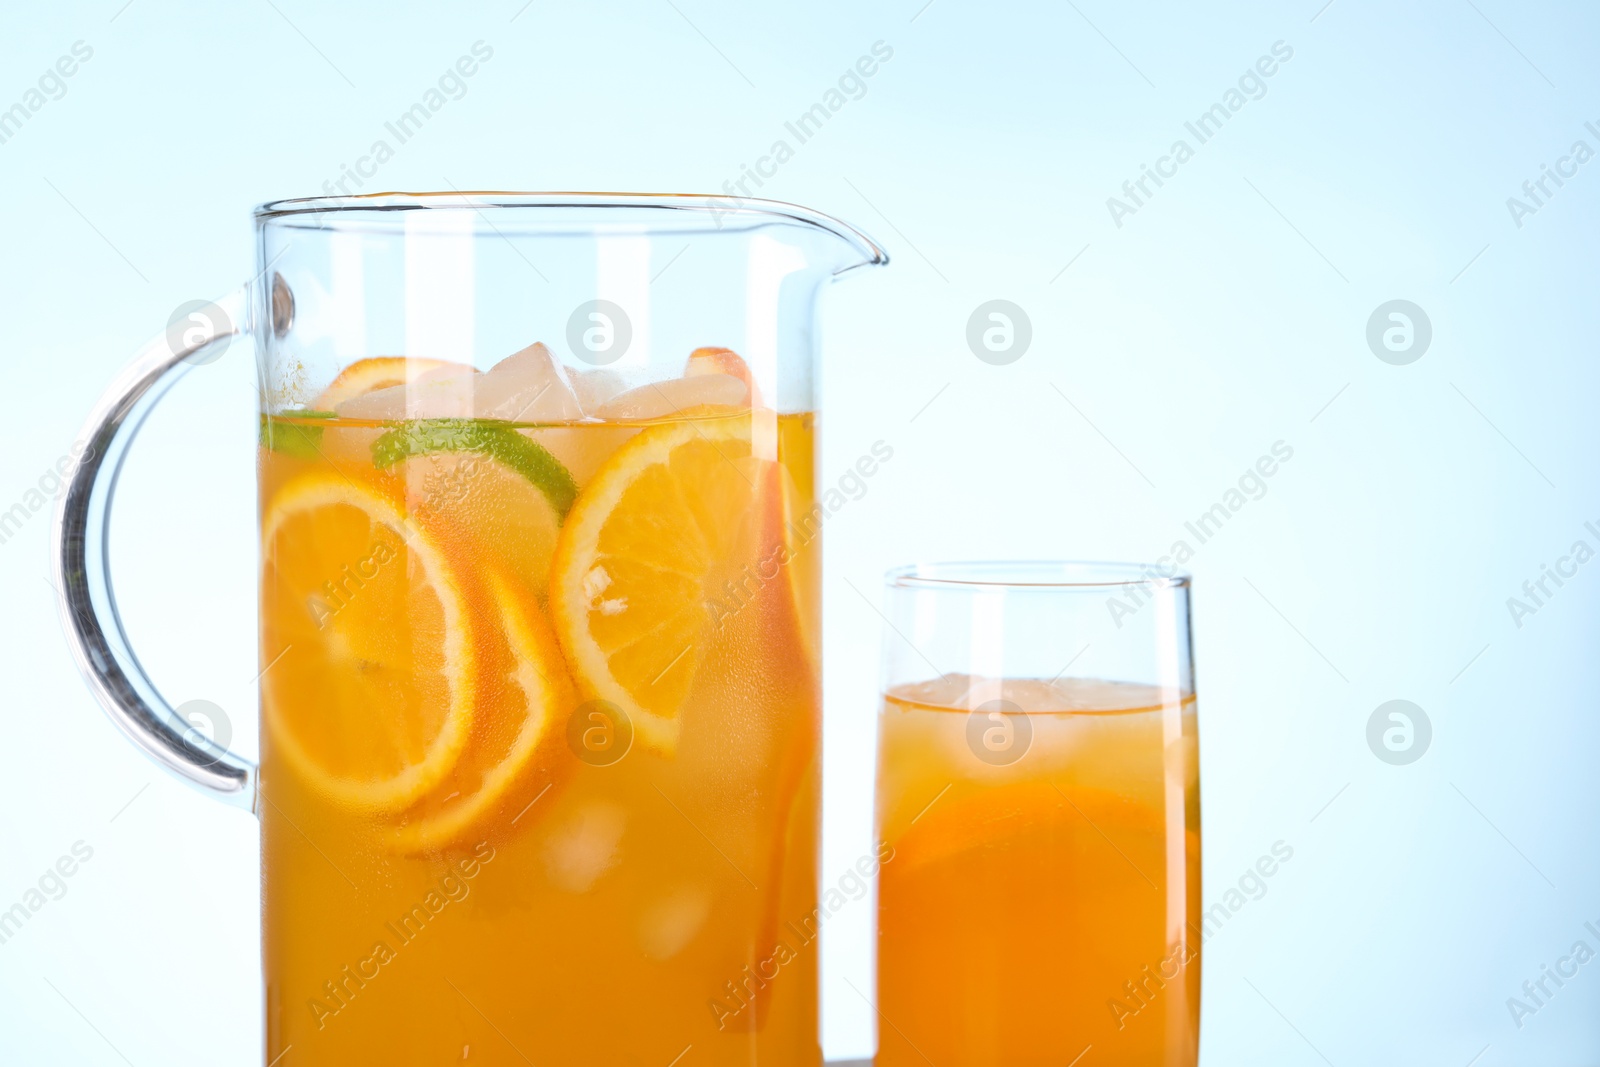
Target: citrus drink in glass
x,y
1038,790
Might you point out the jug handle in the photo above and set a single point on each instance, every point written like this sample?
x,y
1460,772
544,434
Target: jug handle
x,y
83,577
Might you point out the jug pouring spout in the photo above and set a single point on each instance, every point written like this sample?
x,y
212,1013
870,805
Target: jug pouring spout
x,y
851,248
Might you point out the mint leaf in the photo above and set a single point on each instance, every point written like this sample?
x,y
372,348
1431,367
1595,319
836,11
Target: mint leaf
x,y
293,439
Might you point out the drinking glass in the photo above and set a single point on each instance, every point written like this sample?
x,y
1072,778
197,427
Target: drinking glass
x,y
1039,817
538,622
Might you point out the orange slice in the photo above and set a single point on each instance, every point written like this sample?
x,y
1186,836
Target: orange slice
x,y
377,372
515,754
368,631
975,818
649,558
703,361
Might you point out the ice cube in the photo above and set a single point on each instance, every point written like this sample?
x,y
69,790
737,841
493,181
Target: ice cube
x,y
660,399
443,372
441,393
595,387
669,924
528,386
583,846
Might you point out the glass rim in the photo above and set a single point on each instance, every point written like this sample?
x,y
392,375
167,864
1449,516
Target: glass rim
x,y
955,575
722,212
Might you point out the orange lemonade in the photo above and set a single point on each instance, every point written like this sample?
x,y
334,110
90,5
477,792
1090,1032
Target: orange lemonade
x,y
540,719
1044,896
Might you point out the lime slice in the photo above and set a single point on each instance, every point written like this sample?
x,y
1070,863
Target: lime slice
x,y
497,441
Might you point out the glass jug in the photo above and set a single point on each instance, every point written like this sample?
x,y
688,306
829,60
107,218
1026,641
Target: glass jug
x,y
539,614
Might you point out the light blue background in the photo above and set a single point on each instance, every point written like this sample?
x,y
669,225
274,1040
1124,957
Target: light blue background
x,y
1227,314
